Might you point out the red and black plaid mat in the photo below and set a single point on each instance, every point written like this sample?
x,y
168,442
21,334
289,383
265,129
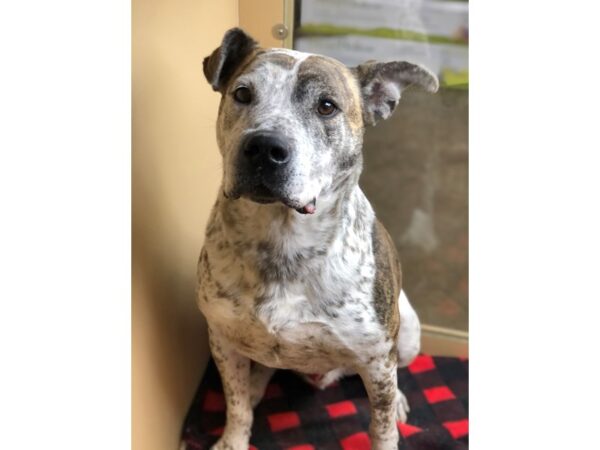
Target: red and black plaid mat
x,y
295,416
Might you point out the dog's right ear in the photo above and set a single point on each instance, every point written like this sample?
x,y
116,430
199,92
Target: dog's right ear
x,y
221,64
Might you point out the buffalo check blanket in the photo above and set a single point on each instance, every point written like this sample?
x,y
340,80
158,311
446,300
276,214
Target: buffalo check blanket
x,y
293,415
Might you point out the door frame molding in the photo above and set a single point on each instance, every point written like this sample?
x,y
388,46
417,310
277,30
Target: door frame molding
x,y
444,341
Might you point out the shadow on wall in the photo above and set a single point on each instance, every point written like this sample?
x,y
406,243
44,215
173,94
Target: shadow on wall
x,y
168,328
168,333
176,174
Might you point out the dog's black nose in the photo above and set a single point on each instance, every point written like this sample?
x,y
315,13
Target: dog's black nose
x,y
266,149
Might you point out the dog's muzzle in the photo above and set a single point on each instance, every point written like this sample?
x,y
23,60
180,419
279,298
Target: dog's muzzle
x,y
263,170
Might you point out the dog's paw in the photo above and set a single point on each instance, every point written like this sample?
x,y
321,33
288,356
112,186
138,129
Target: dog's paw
x,y
228,444
402,408
389,442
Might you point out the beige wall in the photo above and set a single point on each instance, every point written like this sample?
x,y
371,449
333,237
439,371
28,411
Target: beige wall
x,y
176,173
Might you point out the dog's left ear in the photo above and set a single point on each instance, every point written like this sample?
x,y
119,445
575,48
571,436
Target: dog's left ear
x,y
382,83
221,64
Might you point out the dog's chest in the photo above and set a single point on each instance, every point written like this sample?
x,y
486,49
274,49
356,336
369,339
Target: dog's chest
x,y
288,331
293,293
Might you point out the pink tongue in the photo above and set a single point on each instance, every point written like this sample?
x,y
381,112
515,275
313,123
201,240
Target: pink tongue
x,y
309,209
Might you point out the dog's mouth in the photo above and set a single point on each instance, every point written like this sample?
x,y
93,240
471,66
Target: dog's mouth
x,y
309,208
264,195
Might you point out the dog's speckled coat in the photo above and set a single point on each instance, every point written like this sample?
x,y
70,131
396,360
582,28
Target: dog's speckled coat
x,y
316,293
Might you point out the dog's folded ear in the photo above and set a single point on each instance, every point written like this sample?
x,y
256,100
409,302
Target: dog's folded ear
x,y
382,83
221,64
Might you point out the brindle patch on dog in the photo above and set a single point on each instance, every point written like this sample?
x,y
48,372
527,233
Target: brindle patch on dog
x,y
388,279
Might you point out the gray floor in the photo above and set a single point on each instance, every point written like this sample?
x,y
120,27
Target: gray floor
x,y
416,176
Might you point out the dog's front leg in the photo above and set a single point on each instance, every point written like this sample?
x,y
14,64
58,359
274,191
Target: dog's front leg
x,y
235,376
382,387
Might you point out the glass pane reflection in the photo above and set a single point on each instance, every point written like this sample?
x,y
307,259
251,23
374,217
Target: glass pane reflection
x,y
416,163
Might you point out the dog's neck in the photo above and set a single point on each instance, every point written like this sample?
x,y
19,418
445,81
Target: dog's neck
x,y
249,222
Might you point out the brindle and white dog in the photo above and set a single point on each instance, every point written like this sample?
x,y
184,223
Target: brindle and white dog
x,y
296,272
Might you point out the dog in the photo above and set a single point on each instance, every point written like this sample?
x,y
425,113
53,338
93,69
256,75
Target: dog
x,y
296,272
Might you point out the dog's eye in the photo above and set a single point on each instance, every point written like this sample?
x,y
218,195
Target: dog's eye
x,y
242,95
326,107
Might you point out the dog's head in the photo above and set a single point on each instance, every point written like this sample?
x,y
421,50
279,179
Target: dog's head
x,y
291,124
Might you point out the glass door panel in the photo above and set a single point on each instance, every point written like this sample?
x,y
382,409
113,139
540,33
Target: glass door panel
x,y
416,163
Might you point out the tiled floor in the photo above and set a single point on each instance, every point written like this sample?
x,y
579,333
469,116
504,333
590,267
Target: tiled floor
x,y
416,176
